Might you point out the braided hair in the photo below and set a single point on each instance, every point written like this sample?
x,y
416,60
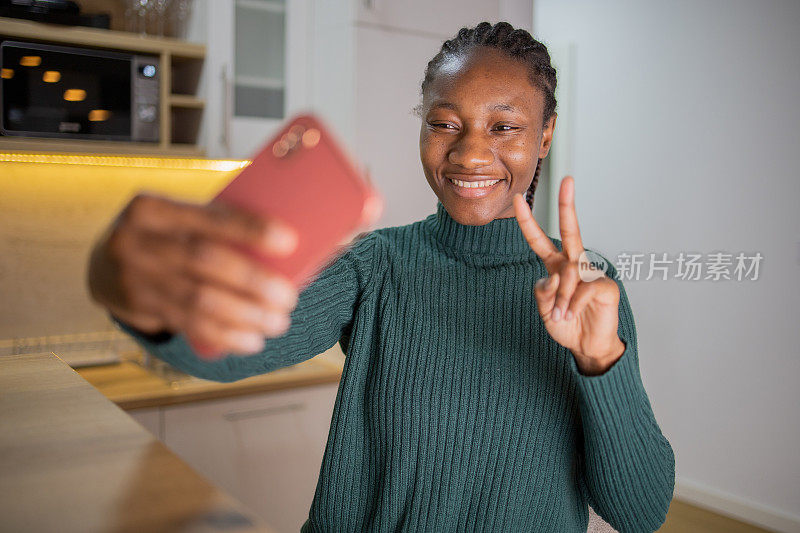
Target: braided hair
x,y
517,44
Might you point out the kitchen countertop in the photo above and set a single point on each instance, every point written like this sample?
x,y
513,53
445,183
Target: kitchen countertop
x,y
134,384
73,461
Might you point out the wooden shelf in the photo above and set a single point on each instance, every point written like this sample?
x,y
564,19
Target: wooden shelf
x,y
99,38
31,144
182,100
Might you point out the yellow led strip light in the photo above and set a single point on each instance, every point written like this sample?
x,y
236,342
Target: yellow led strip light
x,y
222,165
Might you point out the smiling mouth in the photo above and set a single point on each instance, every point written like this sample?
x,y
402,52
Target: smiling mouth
x,y
472,189
473,184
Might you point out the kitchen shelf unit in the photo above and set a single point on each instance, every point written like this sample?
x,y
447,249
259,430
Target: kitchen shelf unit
x,y
180,110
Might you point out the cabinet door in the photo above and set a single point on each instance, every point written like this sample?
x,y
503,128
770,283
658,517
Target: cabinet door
x,y
390,66
436,17
256,72
266,449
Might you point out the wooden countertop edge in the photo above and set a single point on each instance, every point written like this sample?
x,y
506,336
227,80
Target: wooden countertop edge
x,y
119,382
221,390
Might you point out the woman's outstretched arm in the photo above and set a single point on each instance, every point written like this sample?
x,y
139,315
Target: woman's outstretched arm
x,y
324,312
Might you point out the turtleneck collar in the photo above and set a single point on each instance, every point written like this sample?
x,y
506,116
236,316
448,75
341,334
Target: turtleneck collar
x,y
501,236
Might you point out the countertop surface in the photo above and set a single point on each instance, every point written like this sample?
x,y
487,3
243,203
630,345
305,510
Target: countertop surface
x,y
73,461
135,384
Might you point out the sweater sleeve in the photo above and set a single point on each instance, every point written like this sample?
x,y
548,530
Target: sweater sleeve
x,y
628,466
324,313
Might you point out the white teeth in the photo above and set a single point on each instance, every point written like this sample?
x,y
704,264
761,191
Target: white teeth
x,y
474,184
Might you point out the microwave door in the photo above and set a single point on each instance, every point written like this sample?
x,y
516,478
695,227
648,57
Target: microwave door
x,y
59,91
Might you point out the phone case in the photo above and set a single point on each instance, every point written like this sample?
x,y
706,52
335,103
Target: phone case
x,y
302,177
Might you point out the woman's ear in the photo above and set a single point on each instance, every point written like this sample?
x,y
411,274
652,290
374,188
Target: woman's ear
x,y
547,136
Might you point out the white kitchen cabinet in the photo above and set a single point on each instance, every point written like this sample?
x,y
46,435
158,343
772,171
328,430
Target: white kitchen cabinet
x,y
150,419
265,449
390,68
436,17
256,71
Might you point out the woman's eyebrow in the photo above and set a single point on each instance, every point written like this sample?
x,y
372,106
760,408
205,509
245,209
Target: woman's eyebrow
x,y
444,105
491,107
502,107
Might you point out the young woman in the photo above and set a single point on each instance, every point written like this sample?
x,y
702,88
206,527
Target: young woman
x,y
487,387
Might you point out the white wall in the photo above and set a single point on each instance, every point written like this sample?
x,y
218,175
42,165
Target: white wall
x,y
686,139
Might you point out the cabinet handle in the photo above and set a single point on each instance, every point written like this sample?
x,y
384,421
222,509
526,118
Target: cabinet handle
x,y
264,411
225,135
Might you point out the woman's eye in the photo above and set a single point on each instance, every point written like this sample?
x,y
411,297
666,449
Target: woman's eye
x,y
442,125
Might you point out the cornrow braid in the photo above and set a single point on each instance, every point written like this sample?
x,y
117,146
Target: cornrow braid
x,y
518,44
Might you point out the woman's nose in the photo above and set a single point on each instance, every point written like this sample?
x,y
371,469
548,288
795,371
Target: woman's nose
x,y
471,151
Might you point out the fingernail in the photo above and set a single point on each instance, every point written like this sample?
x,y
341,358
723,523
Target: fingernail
x,y
253,344
541,283
280,292
281,239
556,315
568,315
276,322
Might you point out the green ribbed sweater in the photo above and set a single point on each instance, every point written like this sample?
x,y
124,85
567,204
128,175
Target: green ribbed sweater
x,y
456,411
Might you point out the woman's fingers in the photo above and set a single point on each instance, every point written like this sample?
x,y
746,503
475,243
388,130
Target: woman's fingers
x,y
568,283
217,340
209,262
563,295
545,292
239,313
201,302
216,322
568,220
184,298
582,296
225,266
215,221
183,302
603,291
539,242
188,269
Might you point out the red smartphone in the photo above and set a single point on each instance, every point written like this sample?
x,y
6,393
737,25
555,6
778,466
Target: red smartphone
x,y
304,178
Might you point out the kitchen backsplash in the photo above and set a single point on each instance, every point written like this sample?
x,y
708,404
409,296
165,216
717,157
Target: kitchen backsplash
x,y
52,208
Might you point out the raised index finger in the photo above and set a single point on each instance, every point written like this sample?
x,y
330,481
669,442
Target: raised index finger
x,y
568,220
537,239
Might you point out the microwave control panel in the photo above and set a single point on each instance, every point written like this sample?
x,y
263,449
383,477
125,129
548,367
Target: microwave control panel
x,y
145,91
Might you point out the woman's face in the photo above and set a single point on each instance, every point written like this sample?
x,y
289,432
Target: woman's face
x,y
482,121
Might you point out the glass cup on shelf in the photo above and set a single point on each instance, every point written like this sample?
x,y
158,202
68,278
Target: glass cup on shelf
x,y
154,17
136,15
177,18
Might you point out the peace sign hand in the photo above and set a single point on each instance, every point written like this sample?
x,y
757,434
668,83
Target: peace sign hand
x,y
580,315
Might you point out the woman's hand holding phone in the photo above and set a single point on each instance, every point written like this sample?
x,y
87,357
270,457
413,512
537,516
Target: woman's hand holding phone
x,y
228,274
171,266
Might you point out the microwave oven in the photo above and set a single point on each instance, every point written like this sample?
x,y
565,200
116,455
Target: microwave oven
x,y
76,93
